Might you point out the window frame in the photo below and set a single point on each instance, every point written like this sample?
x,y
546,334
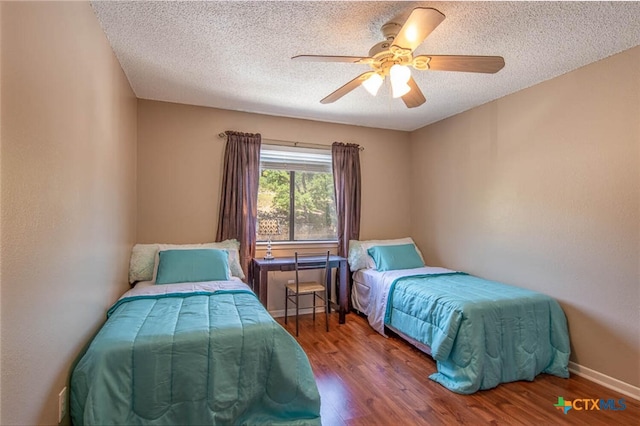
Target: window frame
x,y
291,237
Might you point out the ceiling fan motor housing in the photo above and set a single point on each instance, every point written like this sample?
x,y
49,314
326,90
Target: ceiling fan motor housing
x,y
390,30
379,48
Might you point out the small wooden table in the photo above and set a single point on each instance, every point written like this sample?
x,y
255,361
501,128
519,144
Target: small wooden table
x,y
261,267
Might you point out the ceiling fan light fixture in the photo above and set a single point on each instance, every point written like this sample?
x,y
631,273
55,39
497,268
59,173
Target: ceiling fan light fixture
x,y
373,83
399,75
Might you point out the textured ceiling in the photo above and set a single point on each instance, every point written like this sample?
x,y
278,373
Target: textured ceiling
x,y
236,55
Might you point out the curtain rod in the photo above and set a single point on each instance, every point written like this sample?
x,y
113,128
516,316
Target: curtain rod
x,y
292,143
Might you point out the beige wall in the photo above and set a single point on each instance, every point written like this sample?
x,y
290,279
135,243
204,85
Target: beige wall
x,y
68,196
541,189
1,6
180,169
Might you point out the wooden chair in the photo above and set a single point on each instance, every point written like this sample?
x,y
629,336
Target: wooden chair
x,y
294,290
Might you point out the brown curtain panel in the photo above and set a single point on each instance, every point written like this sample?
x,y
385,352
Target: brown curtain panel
x,y
239,199
347,188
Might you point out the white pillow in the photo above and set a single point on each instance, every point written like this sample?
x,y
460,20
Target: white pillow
x,y
143,261
233,247
360,259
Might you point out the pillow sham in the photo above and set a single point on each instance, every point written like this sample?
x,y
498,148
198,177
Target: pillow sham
x,y
165,247
192,265
391,258
359,258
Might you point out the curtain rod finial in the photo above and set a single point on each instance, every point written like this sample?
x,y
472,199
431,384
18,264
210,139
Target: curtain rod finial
x,y
222,134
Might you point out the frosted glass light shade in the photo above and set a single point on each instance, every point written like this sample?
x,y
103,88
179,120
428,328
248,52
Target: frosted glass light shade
x,y
399,75
373,83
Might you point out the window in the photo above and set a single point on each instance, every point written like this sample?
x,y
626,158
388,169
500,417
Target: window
x,y
296,189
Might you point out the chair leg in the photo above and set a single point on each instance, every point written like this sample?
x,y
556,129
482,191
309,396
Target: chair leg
x,y
327,307
297,317
314,306
286,300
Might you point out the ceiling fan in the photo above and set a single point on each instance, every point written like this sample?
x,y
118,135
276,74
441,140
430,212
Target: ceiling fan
x,y
393,57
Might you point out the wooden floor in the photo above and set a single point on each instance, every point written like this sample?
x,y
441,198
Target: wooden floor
x,y
366,379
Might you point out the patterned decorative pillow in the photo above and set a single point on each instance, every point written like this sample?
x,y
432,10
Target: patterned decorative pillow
x,y
357,255
143,260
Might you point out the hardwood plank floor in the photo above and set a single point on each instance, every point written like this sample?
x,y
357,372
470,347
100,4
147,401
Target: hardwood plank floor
x,y
367,379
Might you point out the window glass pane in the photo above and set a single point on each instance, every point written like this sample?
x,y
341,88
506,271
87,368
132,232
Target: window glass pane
x,y
315,213
274,202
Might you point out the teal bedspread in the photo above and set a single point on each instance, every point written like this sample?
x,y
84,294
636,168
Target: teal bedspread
x,y
195,358
481,333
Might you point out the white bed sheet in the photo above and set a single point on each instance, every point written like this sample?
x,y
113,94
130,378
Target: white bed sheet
x,y
371,290
145,288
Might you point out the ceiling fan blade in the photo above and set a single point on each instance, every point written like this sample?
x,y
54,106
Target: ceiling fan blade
x,y
413,98
419,25
347,88
485,64
321,58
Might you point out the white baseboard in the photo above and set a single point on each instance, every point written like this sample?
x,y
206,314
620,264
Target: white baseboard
x,y
292,312
604,380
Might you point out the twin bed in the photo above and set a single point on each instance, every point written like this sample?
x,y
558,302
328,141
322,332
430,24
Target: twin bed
x,y
199,349
191,343
481,333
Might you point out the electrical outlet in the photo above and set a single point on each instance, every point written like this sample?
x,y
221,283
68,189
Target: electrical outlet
x,y
291,281
62,404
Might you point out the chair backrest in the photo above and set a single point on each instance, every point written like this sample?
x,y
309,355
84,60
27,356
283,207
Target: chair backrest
x,y
305,261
